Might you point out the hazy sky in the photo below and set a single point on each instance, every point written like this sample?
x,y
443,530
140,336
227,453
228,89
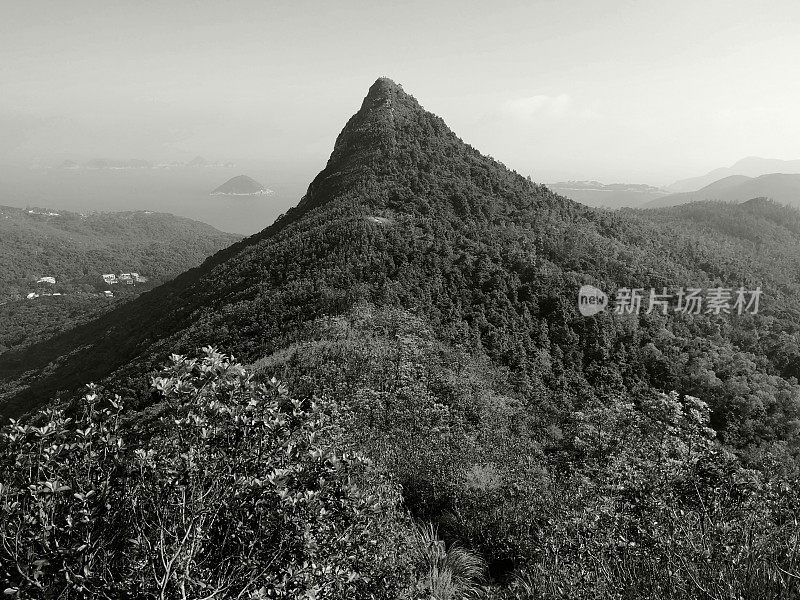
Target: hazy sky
x,y
635,91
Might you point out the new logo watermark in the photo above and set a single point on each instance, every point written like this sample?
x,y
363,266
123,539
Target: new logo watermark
x,y
591,300
690,301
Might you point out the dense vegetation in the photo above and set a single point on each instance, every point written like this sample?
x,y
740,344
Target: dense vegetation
x,y
234,494
615,499
428,296
76,250
24,322
229,486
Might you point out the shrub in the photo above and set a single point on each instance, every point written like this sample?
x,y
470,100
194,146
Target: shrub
x,y
238,492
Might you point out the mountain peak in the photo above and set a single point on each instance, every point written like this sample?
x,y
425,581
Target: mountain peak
x,y
385,85
369,136
384,101
382,98
390,153
384,90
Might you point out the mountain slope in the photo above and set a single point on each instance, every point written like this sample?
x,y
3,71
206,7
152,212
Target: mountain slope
x,y
71,246
781,187
72,251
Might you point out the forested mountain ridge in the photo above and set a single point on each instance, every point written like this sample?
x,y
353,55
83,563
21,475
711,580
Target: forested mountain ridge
x,y
368,176
491,259
427,296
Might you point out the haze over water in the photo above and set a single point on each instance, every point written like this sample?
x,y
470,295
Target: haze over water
x,y
182,191
619,91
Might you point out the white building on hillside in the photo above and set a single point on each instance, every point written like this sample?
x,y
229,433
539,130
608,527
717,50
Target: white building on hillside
x,y
46,280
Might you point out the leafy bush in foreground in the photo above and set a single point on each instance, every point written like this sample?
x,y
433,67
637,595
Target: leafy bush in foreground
x,y
238,492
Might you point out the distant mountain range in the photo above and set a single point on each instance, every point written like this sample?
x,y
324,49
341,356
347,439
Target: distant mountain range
x,y
780,187
752,166
613,195
241,185
751,177
135,163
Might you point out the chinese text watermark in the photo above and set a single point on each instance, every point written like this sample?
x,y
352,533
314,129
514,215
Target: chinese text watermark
x,y
690,301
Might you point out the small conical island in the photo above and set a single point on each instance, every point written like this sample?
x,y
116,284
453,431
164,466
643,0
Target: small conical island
x,y
241,185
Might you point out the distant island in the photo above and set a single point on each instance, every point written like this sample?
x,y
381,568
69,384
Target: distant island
x,y
241,185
